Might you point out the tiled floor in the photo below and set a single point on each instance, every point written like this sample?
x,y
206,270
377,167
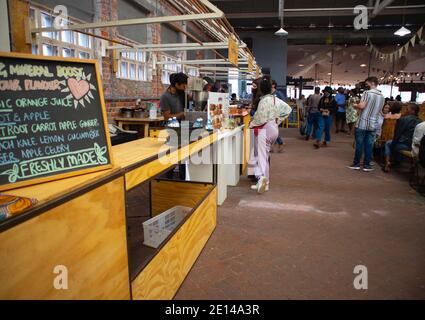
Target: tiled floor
x,y
303,238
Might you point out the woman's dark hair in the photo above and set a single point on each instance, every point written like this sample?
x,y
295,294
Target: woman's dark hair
x,y
274,83
265,86
258,94
396,108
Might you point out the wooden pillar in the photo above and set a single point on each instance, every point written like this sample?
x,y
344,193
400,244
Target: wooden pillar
x,y
18,15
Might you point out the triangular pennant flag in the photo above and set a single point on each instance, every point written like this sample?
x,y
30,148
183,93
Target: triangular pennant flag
x,y
313,57
400,52
413,40
353,55
419,33
329,54
406,47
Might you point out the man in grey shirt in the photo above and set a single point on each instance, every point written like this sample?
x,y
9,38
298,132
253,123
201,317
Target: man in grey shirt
x,y
370,107
313,113
172,104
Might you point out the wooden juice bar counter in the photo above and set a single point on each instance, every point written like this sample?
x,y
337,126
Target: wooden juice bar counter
x,y
92,225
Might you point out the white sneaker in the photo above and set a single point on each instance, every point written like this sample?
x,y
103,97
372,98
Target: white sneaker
x,y
262,185
254,187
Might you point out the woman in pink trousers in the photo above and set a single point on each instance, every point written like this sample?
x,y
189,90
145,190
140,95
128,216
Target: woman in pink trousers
x,y
271,111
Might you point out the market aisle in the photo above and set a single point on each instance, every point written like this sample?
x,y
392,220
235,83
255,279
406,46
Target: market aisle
x,y
303,239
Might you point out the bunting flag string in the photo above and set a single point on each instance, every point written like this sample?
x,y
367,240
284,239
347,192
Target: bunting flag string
x,y
397,54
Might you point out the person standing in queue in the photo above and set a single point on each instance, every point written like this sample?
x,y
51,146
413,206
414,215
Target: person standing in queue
x,y
340,116
172,104
313,113
327,107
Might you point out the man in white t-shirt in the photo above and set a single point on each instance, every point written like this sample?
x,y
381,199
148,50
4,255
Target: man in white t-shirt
x,y
418,135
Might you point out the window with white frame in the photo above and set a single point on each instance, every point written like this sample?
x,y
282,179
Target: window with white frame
x,y
172,65
192,72
65,43
132,65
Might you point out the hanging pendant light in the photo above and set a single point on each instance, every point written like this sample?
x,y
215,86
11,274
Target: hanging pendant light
x,y
281,32
402,32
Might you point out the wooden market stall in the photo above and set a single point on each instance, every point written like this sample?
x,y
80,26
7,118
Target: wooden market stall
x,y
86,223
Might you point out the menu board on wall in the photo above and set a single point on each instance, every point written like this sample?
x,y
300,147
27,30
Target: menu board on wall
x,y
52,119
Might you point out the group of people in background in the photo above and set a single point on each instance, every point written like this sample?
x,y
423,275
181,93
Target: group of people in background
x,y
364,116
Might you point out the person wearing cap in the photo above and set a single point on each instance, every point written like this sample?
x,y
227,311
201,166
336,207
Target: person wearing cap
x,y
327,108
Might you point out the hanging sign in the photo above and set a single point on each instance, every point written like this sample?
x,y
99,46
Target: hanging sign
x,y
250,64
257,71
52,119
233,52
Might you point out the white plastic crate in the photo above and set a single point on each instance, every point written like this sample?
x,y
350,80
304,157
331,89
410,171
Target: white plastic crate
x,y
159,227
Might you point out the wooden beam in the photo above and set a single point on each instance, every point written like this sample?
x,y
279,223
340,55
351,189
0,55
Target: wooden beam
x,y
19,13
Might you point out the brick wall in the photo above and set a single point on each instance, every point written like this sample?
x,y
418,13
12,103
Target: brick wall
x,y
120,93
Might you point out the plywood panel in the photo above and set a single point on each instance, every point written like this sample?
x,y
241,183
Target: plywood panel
x,y
167,271
129,153
153,168
47,191
167,194
86,234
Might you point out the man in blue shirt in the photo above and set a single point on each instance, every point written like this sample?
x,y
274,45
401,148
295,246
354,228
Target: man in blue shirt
x,y
340,99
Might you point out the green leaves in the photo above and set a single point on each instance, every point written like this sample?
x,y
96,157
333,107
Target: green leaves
x,y
99,154
13,173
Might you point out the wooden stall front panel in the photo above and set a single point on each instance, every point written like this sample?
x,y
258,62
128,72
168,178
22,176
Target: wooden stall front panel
x,y
145,172
166,272
86,235
167,194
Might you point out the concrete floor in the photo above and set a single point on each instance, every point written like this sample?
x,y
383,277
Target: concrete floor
x,y
303,238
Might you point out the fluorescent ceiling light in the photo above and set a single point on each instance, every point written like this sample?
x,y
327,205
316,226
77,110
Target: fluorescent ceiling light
x,y
329,73
402,32
300,65
259,27
312,25
363,65
281,32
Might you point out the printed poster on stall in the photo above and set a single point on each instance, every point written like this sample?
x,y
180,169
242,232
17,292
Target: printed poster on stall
x,y
218,108
52,119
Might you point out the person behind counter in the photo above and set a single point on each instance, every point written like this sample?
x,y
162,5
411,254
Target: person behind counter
x,y
171,102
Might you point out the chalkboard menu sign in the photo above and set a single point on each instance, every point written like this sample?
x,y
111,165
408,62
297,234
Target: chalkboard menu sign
x,y
52,119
